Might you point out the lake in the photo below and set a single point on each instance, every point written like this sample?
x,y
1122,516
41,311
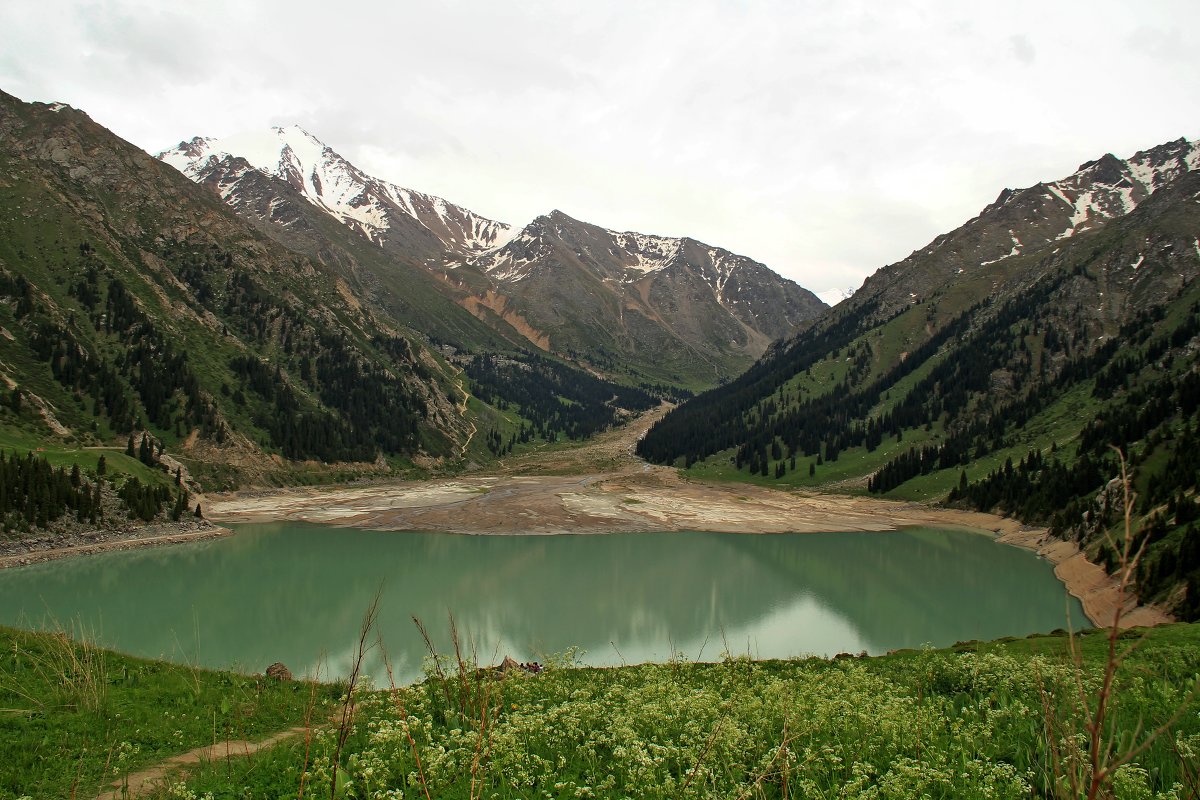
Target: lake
x,y
296,593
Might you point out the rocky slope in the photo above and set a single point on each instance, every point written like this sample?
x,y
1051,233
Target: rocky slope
x,y
650,308
677,309
1038,219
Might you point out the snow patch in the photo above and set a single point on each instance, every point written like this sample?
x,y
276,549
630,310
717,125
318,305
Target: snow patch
x,y
1144,173
1083,207
1139,261
1125,194
1056,192
649,253
1016,251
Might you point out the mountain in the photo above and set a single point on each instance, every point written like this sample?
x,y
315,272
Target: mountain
x,y
651,309
142,319
1032,220
995,368
137,304
382,266
676,309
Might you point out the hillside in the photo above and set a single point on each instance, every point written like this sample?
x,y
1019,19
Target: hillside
x,y
644,309
137,303
995,368
145,323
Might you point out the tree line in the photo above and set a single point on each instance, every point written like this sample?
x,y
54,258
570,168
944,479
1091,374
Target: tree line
x,y
557,400
34,494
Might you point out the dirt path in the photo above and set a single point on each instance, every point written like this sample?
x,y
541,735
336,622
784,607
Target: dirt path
x,y
140,784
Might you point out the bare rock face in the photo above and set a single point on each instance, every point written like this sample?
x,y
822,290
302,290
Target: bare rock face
x,y
279,672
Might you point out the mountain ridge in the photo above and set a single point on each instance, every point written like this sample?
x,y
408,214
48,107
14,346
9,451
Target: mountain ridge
x,y
332,183
484,265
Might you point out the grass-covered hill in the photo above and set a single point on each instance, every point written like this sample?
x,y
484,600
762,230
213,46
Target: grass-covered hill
x,y
1006,719
136,302
997,383
135,306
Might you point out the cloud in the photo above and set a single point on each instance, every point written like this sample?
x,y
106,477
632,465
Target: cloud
x,y
1022,49
825,140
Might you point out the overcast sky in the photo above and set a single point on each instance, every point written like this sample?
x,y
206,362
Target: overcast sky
x,y
826,139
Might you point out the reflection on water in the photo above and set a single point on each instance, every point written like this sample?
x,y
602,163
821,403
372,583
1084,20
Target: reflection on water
x,y
296,593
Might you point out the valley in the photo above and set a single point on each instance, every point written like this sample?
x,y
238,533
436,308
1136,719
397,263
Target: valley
x,y
574,436
324,327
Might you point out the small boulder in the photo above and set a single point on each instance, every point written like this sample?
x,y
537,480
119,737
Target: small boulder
x,y
279,672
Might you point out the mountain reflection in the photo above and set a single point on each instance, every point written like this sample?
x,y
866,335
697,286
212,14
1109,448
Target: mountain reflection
x,y
297,593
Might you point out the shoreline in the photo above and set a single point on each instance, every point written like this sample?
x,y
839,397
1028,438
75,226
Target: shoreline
x,y
1087,581
601,487
137,538
656,499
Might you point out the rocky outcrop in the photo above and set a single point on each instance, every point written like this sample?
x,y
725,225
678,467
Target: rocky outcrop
x,y
279,672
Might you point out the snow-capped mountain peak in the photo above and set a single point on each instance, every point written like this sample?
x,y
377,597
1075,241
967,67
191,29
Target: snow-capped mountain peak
x,y
333,184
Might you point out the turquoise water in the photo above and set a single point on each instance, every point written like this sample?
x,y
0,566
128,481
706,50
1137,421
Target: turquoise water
x,y
296,593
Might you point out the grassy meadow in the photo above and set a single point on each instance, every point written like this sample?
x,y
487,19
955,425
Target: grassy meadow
x,y
74,717
1007,719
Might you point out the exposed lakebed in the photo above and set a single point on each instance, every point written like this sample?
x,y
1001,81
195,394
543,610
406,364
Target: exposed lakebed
x,y
296,593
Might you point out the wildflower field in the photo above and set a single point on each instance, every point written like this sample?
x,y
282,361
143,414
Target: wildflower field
x,y
1008,719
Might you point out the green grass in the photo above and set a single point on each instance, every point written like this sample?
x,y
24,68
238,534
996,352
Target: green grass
x,y
74,717
1058,425
60,454
851,464
965,722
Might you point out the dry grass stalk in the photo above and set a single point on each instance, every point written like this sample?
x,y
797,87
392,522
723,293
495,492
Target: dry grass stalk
x,y
476,701
346,719
1089,772
308,729
72,662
